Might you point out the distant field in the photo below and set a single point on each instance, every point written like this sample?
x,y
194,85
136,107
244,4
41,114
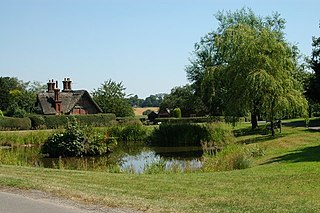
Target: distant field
x,y
139,110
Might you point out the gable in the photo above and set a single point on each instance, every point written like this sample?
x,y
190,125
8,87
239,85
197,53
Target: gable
x,y
69,101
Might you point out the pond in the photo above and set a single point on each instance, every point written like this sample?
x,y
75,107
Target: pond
x,y
130,157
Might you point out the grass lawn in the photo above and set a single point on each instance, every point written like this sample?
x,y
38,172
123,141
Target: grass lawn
x,y
285,179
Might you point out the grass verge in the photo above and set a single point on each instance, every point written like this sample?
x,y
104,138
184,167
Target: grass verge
x,y
285,179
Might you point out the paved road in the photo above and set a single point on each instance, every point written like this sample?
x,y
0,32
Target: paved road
x,y
13,202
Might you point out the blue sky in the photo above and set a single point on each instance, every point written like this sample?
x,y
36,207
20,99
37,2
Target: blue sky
x,y
143,43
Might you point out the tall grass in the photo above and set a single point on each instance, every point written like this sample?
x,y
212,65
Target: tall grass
x,y
232,157
17,138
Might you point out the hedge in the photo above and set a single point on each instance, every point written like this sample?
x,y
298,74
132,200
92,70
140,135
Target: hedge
x,y
190,119
97,120
8,123
54,121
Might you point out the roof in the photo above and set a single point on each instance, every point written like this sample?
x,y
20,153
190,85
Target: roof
x,y
68,100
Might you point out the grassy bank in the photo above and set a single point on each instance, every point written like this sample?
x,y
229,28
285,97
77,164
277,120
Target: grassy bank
x,y
285,179
277,188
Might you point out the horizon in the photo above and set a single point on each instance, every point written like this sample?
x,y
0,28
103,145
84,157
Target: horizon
x,y
145,45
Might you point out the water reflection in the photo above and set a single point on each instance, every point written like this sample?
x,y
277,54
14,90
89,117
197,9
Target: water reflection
x,y
130,157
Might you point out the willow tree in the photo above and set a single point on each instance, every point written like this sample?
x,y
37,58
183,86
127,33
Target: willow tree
x,y
253,68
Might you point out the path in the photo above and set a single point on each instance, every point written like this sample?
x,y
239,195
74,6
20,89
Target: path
x,y
18,201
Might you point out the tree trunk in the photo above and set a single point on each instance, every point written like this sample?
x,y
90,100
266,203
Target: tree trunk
x,y
272,128
310,111
254,121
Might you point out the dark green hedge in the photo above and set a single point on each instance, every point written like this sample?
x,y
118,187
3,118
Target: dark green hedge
x,y
58,121
97,119
8,123
191,119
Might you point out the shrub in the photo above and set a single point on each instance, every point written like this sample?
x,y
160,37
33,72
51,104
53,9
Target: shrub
x,y
38,122
69,143
147,112
176,113
182,134
185,134
8,123
129,131
1,113
77,140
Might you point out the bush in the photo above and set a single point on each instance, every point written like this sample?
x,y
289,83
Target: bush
x,y
169,134
176,113
129,131
38,122
8,123
69,143
76,141
185,134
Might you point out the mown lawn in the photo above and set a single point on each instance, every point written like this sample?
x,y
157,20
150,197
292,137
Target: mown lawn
x,y
285,179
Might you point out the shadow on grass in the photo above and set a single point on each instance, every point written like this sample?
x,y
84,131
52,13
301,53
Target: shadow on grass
x,y
248,131
308,154
263,138
302,123
261,135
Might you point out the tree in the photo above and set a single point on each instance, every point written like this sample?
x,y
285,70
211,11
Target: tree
x,y
17,97
251,68
153,100
111,97
313,89
185,99
6,85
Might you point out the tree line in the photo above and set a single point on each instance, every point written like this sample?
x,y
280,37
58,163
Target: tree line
x,y
245,67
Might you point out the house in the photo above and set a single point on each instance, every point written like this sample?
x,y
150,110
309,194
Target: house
x,y
67,101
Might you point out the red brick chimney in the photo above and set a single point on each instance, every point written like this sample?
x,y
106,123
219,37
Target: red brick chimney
x,y
66,85
50,85
57,101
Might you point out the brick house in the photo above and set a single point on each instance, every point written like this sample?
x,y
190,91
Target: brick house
x,y
67,101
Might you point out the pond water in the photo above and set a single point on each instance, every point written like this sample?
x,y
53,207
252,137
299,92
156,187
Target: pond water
x,y
131,157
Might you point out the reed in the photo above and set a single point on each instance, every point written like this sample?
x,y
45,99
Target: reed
x,y
18,138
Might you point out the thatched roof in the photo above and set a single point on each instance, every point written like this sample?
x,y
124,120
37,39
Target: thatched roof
x,y
68,101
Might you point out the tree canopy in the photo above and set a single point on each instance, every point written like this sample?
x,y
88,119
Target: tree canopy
x,y
111,97
247,66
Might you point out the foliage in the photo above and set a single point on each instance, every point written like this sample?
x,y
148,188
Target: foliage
x,y
191,119
313,88
55,122
176,113
185,99
8,123
186,134
10,138
129,131
68,143
246,66
231,158
153,100
77,141
17,98
147,112
112,99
